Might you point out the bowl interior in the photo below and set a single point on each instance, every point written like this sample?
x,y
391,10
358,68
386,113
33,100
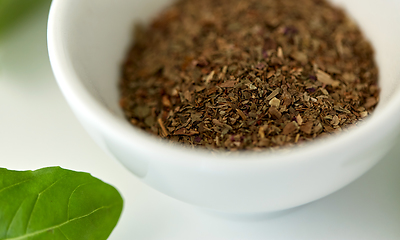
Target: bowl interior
x,y
94,36
99,32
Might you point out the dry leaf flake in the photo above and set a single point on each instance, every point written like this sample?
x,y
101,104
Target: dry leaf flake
x,y
248,74
326,79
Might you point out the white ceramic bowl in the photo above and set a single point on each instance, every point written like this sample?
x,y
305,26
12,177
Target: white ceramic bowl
x,y
87,42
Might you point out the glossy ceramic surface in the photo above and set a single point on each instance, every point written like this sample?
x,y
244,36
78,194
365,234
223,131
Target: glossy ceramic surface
x,y
87,40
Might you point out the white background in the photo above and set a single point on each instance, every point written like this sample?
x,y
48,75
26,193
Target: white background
x,y
37,129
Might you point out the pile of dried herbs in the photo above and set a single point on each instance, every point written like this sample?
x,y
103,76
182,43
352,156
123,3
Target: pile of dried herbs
x,y
248,74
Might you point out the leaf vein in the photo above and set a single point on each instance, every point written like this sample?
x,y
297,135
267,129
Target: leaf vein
x,y
69,199
37,200
15,184
63,234
50,185
30,215
15,214
62,224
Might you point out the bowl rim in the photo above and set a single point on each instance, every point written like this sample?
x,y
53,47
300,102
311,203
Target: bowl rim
x,y
373,129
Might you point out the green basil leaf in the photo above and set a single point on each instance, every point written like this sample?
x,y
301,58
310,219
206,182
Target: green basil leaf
x,y
55,203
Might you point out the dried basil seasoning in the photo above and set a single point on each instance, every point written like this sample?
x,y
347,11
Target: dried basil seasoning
x,y
248,74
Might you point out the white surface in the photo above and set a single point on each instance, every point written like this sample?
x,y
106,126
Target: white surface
x,y
37,129
87,40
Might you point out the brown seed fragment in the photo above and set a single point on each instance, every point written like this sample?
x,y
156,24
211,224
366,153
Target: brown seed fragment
x,y
184,131
165,101
289,128
216,122
335,120
261,131
228,84
280,53
372,101
275,102
300,56
210,77
188,95
273,94
307,127
164,132
199,88
274,113
318,128
326,79
270,74
297,138
364,114
241,114
349,77
141,111
299,120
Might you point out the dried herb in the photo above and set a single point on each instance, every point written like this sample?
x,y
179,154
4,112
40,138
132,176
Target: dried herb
x,y
248,74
